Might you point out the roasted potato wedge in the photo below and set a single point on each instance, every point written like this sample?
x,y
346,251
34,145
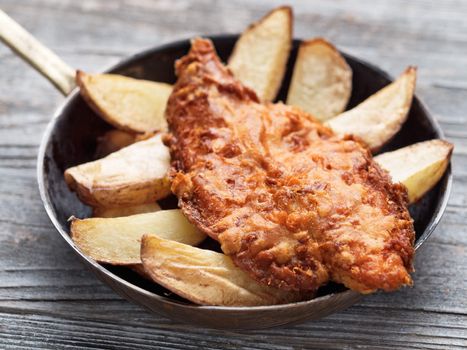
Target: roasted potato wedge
x,y
377,119
117,241
260,55
128,104
322,80
113,141
205,277
419,167
116,212
134,175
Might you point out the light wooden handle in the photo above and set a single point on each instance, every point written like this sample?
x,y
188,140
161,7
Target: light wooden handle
x,y
37,55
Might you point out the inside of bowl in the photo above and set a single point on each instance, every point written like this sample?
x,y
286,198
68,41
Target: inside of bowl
x,y
73,140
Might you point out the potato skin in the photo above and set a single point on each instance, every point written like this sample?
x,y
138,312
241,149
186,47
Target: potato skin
x,y
124,178
205,277
132,105
116,241
124,195
260,55
116,212
322,80
113,141
380,117
418,167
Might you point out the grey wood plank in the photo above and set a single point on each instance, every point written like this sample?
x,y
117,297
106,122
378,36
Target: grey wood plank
x,y
47,297
422,32
368,333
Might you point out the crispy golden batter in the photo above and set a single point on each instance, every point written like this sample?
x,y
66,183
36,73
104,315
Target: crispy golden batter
x,y
292,203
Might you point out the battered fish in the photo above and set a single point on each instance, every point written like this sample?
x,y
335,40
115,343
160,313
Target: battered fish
x,y
293,204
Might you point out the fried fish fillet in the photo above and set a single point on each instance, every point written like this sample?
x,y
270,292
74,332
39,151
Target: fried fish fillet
x,y
293,204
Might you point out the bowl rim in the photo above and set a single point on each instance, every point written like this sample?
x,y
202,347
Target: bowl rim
x,y
46,201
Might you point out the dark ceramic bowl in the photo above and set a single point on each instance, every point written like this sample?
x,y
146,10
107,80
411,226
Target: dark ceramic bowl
x,y
70,139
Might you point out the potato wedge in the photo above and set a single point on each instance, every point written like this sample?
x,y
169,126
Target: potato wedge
x,y
205,277
134,175
322,80
128,104
377,119
139,269
260,55
112,141
116,212
117,241
419,166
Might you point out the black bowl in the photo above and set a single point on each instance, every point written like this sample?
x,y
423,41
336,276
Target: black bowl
x,y
70,139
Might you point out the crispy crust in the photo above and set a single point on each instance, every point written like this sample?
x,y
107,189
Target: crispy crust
x,y
293,204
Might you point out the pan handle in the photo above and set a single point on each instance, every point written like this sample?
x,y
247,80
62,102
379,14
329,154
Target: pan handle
x,y
60,74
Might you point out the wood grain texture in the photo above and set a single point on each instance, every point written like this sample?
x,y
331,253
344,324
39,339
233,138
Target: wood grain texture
x,y
50,300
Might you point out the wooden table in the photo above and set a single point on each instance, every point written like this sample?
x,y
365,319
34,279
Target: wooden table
x,y
48,299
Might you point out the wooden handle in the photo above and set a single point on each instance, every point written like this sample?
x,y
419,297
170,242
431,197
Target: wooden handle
x,y
37,55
